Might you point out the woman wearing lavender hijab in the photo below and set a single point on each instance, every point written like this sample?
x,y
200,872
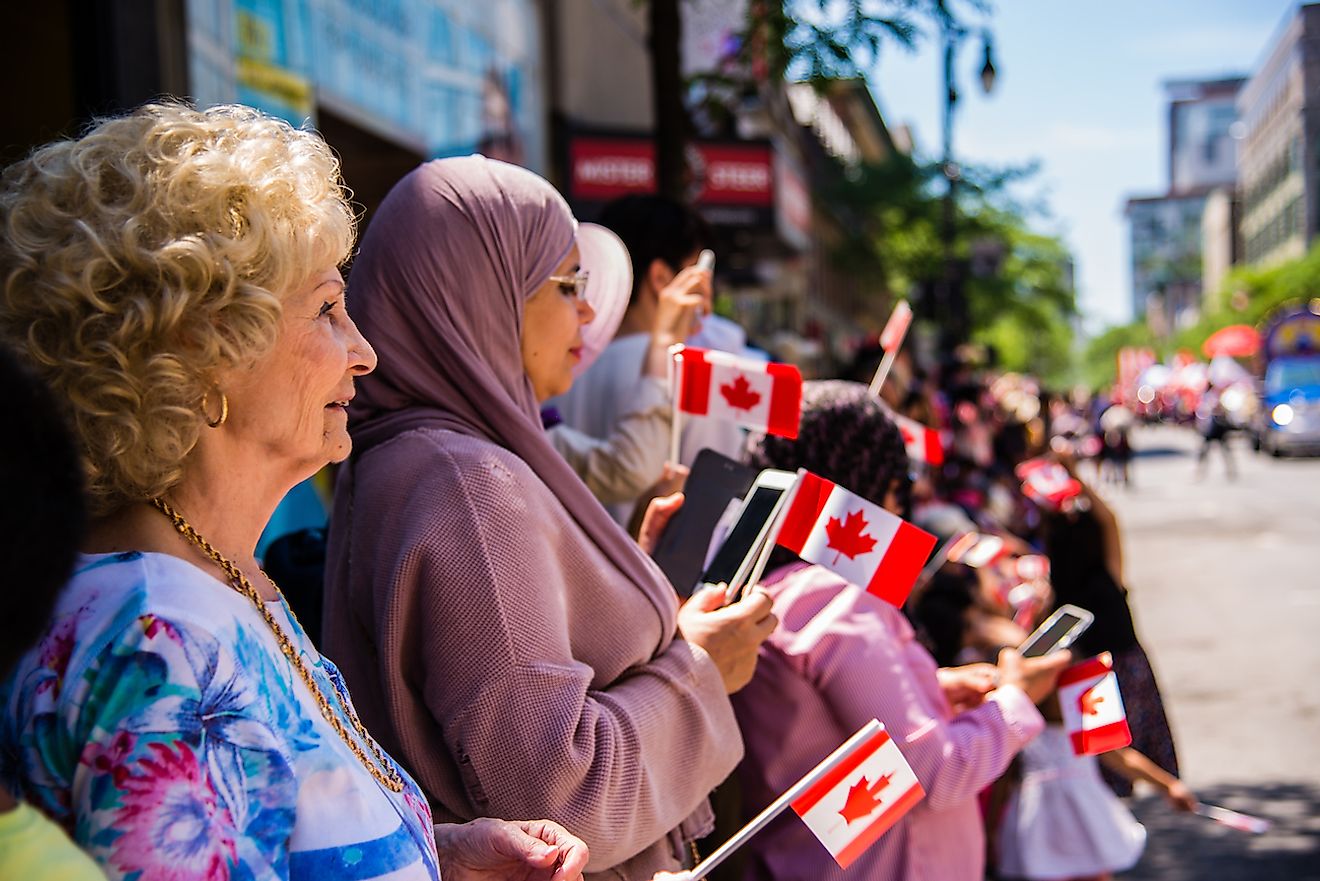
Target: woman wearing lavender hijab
x,y
505,636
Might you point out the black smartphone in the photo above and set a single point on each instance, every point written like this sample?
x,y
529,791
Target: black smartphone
x,y
714,482
736,555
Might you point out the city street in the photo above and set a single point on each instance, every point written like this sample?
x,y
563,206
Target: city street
x,y
1225,585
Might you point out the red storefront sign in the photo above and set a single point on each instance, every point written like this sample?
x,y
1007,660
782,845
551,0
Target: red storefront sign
x,y
729,174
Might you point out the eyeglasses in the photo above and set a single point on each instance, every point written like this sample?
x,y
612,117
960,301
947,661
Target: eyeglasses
x,y
577,282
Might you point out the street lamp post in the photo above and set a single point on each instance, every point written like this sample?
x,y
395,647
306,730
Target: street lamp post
x,y
950,301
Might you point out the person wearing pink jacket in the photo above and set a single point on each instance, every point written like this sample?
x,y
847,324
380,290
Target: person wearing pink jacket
x,y
841,656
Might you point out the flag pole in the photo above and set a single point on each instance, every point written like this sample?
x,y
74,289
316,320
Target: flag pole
x,y
675,386
777,807
882,371
928,571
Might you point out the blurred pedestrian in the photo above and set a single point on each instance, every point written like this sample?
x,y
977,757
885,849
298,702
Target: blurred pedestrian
x,y
173,275
519,648
1214,427
1085,550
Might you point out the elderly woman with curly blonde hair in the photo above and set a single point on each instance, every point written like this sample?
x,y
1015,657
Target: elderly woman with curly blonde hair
x,y
174,276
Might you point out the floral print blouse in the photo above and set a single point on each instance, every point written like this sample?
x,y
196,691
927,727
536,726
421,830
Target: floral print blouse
x,y
159,723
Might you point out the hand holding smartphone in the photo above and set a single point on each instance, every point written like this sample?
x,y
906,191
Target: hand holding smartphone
x,y
1058,631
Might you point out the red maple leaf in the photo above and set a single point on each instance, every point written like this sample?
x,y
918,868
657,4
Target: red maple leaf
x,y
849,538
863,799
1088,702
739,394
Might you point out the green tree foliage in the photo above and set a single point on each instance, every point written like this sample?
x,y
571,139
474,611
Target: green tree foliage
x,y
1017,281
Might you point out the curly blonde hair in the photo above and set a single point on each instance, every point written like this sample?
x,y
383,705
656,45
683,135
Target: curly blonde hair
x,y
142,258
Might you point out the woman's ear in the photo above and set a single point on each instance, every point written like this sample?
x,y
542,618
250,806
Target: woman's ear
x,y
658,275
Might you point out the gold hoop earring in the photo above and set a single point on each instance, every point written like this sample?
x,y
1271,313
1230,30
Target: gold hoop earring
x,y
224,410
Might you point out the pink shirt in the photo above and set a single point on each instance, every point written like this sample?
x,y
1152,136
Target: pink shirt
x,y
839,658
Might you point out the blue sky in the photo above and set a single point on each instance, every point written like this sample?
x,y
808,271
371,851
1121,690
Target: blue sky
x,y
1080,89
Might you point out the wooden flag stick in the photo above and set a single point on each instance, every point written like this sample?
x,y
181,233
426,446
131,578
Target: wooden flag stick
x,y
928,571
777,807
676,386
882,371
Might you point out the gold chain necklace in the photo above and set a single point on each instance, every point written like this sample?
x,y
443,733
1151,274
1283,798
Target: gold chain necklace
x,y
388,777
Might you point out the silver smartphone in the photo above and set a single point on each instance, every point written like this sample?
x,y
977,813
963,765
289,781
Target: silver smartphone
x,y
1058,631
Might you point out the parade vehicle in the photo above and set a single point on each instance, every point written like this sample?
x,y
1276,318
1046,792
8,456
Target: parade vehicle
x,y
1288,419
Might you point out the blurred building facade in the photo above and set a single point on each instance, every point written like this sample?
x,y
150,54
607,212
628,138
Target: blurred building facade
x,y
560,86
1167,244
1279,109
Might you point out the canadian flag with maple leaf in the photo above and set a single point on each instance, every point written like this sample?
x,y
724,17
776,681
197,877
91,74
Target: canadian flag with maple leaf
x,y
1047,483
852,537
861,790
923,444
978,550
1093,714
759,395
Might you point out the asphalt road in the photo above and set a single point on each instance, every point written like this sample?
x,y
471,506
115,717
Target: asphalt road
x,y
1225,585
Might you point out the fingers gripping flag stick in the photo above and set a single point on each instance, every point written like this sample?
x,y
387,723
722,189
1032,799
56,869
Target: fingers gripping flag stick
x,y
891,339
766,397
1093,714
848,801
864,543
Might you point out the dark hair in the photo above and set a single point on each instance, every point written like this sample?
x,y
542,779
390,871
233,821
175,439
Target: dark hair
x,y
939,616
655,228
846,436
44,508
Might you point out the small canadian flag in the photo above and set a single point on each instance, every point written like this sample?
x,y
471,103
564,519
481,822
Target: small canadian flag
x,y
766,397
922,443
977,550
896,327
1047,483
854,538
862,789
1093,714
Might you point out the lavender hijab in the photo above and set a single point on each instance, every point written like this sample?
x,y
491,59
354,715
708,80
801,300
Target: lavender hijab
x,y
446,265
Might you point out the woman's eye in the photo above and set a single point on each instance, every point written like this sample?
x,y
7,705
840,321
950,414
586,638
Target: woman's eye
x,y
326,308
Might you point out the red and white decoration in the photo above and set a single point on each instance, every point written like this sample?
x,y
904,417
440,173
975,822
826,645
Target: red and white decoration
x,y
861,790
977,550
1093,714
896,327
923,444
1047,483
1032,567
765,397
848,535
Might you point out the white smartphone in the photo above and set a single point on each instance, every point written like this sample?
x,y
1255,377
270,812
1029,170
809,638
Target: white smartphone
x,y
1058,631
706,261
734,560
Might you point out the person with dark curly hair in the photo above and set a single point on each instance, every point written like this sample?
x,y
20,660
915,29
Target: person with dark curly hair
x,y
841,656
